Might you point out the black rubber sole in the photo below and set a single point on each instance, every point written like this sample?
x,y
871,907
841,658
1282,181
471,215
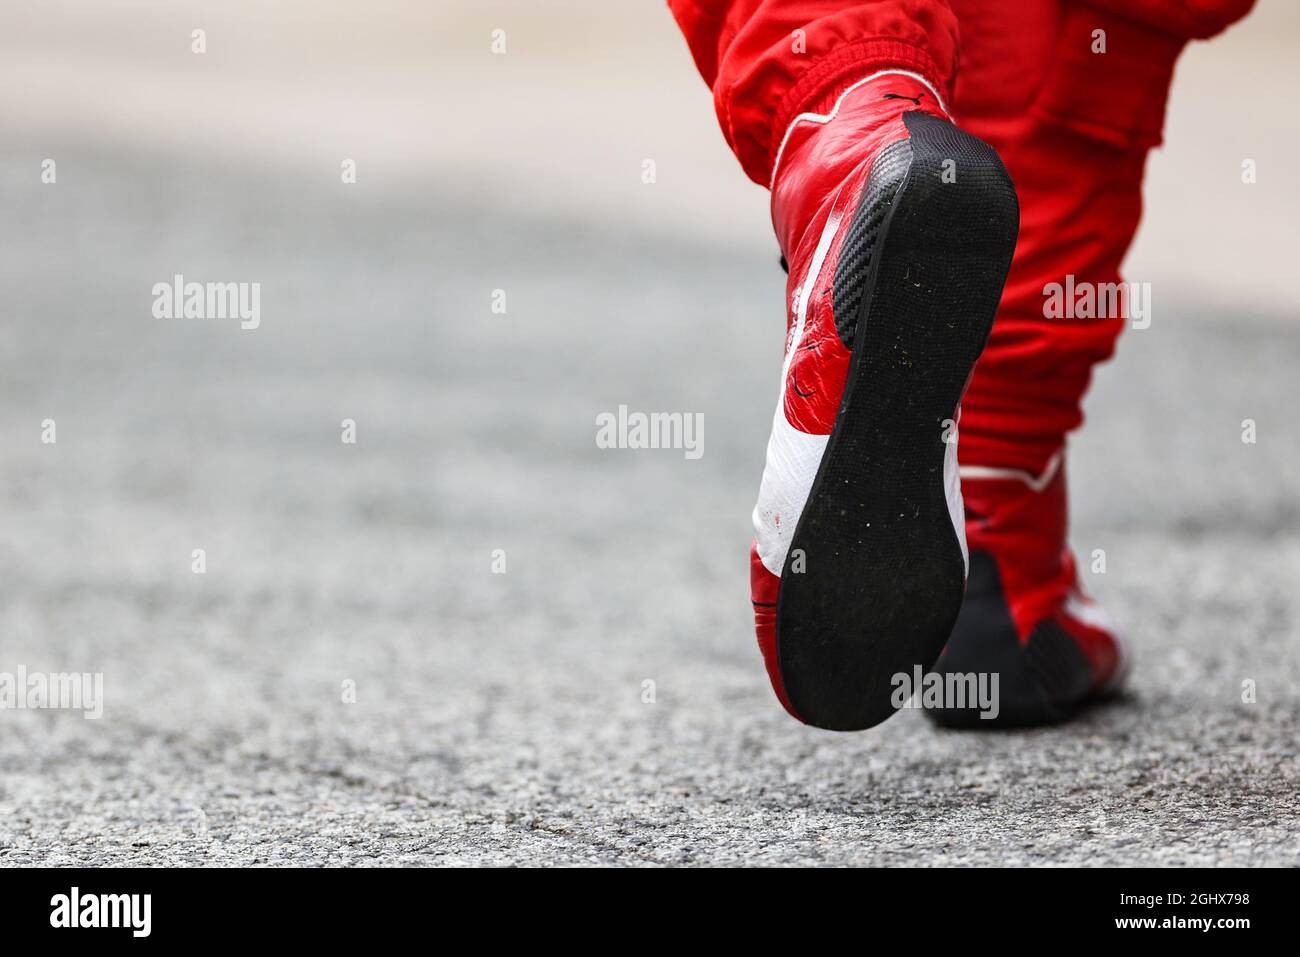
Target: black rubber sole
x,y
1044,680
881,572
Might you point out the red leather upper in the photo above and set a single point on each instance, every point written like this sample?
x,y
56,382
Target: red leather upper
x,y
818,158
822,170
1025,530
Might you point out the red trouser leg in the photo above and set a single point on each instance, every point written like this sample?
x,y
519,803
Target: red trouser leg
x,y
1073,121
767,61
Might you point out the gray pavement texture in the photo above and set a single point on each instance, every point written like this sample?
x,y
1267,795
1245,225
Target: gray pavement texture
x,y
499,717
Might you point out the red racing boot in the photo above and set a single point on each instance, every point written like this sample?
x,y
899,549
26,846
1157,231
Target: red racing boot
x,y
1025,617
898,229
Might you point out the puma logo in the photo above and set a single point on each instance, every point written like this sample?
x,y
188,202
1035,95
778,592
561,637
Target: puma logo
x,y
899,96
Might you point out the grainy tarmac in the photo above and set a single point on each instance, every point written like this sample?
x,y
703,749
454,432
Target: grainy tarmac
x,y
499,717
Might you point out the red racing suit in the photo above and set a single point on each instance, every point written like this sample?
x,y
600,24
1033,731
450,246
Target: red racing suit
x,y
1070,93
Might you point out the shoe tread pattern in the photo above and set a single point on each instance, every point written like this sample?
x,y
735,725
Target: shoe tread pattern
x,y
883,571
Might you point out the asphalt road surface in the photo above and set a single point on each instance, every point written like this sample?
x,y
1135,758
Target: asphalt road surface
x,y
499,718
